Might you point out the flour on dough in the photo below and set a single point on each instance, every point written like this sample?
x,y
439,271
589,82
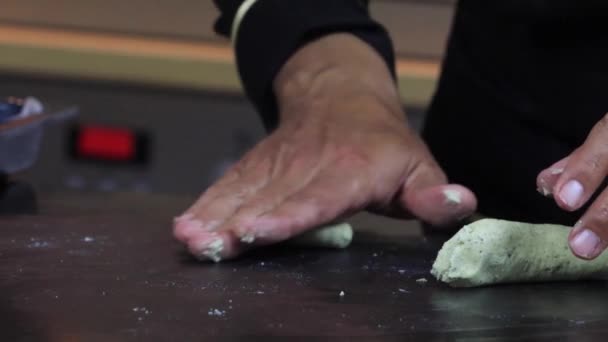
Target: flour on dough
x,y
492,251
452,196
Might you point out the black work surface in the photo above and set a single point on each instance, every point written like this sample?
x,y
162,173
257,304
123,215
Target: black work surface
x,y
107,269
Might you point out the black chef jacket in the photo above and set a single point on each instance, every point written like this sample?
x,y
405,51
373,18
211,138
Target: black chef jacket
x,y
522,84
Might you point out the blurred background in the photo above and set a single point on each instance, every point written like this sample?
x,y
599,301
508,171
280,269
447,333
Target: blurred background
x,y
154,71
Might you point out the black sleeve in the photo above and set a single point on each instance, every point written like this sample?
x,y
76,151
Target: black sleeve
x,y
272,30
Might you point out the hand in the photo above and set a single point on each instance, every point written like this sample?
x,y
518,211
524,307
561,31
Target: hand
x,y
573,180
342,145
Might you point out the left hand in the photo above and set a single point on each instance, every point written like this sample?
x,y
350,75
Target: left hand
x,y
573,180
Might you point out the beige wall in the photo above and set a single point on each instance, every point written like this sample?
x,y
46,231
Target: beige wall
x,y
419,28
171,42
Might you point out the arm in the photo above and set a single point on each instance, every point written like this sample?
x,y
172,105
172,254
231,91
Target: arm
x,y
265,33
341,145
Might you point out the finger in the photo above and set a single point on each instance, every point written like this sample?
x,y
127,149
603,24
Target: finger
x,y
546,179
220,242
219,202
301,211
254,174
586,169
589,238
184,226
214,246
441,205
263,202
233,230
207,219
330,195
427,197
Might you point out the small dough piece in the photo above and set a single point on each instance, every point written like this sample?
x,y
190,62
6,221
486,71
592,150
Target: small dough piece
x,y
331,236
492,251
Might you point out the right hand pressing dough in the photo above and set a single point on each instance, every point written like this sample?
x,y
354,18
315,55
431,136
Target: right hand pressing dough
x,y
492,251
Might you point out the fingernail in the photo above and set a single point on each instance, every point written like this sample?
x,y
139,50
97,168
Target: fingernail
x,y
586,244
571,193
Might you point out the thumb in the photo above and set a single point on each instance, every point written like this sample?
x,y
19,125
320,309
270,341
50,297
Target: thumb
x,y
427,196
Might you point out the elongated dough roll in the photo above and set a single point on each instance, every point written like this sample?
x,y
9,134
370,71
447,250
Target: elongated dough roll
x,y
330,236
493,251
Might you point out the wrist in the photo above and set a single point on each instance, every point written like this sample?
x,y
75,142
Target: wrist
x,y
336,67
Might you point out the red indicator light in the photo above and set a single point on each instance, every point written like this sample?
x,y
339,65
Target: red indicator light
x,y
115,144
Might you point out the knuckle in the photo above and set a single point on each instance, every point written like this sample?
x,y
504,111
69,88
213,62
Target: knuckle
x,y
232,174
257,167
351,157
256,205
593,162
431,170
303,163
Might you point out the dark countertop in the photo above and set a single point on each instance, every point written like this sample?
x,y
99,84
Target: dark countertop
x,y
91,268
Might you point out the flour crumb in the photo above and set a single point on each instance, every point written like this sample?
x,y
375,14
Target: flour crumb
x,y
216,312
214,249
452,196
39,244
88,239
544,191
421,280
248,238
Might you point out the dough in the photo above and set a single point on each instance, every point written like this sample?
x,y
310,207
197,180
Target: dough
x,y
493,251
331,236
